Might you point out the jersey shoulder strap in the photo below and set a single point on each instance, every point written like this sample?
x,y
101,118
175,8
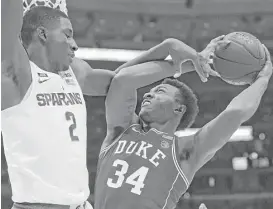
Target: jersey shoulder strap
x,y
131,128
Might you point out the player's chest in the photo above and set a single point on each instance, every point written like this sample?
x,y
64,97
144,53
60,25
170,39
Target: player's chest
x,y
151,151
50,82
54,90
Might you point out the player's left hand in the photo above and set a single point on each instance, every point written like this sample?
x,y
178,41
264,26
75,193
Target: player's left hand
x,y
203,58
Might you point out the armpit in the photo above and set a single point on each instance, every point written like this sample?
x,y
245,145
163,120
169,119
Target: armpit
x,y
186,153
8,71
130,109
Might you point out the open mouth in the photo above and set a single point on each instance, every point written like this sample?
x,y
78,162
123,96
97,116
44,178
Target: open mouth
x,y
145,102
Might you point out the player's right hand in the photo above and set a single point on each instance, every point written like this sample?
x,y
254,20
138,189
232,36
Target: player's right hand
x,y
267,69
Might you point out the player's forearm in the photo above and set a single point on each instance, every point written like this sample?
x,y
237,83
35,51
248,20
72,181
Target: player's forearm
x,y
161,51
11,23
137,76
12,15
217,132
249,100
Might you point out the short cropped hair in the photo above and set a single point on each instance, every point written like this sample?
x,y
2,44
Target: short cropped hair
x,y
187,98
38,16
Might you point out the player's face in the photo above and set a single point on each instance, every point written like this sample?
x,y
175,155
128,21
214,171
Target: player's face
x,y
159,104
61,45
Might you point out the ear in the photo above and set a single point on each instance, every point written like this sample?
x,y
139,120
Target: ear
x,y
180,109
42,33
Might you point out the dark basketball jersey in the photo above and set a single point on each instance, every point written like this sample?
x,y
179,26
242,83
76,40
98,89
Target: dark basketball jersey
x,y
140,171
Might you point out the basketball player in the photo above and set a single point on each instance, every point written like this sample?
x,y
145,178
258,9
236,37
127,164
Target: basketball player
x,y
43,109
142,164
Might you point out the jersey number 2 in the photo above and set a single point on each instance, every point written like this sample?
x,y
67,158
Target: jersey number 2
x,y
71,117
136,179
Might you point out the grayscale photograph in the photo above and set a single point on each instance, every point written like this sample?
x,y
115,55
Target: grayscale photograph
x,y
136,104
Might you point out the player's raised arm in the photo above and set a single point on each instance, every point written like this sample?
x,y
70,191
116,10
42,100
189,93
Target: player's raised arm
x,y
173,47
184,56
93,82
11,23
16,75
216,133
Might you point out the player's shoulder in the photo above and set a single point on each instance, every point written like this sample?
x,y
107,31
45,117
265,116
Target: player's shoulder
x,y
118,131
134,128
78,65
115,134
80,69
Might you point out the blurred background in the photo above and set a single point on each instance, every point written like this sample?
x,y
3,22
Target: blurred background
x,y
240,175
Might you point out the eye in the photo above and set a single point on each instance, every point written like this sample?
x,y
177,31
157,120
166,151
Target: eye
x,y
160,90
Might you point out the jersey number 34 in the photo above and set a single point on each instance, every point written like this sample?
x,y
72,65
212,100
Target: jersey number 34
x,y
136,179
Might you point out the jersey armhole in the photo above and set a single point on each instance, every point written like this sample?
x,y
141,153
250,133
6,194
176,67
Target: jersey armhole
x,y
177,164
33,79
32,85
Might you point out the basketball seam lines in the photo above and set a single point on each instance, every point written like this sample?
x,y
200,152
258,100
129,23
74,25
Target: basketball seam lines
x,y
166,201
178,167
241,76
246,49
217,56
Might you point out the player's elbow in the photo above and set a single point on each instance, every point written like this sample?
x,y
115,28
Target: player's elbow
x,y
120,83
125,78
171,42
120,79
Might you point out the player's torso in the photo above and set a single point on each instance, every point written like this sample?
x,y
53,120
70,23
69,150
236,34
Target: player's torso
x,y
139,171
45,140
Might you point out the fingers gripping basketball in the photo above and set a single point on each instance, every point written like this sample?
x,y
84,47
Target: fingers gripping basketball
x,y
240,62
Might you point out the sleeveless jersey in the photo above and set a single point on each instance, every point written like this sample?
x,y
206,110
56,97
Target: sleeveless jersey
x,y
45,141
140,171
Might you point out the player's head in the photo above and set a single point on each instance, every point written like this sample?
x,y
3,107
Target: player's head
x,y
51,29
171,100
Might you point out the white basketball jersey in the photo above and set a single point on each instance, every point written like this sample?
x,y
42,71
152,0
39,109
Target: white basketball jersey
x,y
45,141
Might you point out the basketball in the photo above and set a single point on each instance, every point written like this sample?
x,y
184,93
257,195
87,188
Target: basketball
x,y
239,62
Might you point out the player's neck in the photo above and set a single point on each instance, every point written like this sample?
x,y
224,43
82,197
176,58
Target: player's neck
x,y
168,127
37,54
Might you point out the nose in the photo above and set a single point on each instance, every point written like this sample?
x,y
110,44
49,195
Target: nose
x,y
148,95
73,45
